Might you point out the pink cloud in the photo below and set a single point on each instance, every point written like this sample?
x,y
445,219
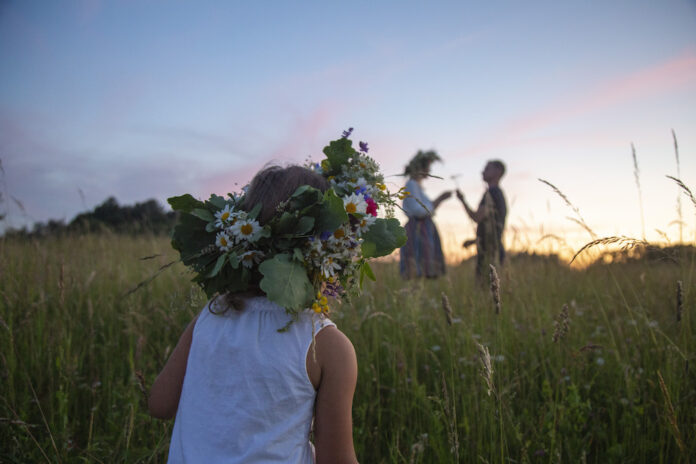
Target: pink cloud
x,y
676,74
305,137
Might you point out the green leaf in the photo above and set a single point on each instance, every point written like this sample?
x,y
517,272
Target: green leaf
x,y
300,190
184,203
285,282
297,255
204,214
332,214
218,266
233,259
217,201
338,152
189,238
265,232
285,224
255,211
366,271
304,225
210,227
304,198
383,237
228,280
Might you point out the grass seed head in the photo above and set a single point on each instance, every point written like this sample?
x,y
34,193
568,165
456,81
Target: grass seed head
x,y
495,288
447,308
487,371
680,300
561,324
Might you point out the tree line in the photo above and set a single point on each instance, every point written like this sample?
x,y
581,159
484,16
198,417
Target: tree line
x,y
144,217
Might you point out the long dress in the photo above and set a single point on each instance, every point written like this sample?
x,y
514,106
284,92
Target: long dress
x,y
422,255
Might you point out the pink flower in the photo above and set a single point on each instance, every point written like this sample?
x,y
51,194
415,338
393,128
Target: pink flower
x,y
371,207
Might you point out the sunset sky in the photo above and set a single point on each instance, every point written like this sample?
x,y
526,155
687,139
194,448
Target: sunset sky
x,y
142,100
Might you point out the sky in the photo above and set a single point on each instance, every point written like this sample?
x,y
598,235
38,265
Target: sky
x,y
150,99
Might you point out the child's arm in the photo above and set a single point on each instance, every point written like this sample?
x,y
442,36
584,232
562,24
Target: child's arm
x,y
333,424
166,390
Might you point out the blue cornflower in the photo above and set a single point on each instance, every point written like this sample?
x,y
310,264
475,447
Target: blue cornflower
x,y
325,235
346,133
363,147
361,190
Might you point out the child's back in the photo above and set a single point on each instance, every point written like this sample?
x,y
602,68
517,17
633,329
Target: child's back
x,y
246,396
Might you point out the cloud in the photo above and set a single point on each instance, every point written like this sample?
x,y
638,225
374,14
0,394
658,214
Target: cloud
x,y
304,138
673,75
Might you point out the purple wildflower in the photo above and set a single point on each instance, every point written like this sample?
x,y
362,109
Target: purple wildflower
x,y
333,290
346,133
363,147
325,235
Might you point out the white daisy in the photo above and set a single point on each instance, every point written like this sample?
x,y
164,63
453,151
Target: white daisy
x,y
339,235
355,203
249,258
244,229
224,216
329,267
222,240
365,224
360,183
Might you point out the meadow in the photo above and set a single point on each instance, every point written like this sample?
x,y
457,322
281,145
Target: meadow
x,y
575,365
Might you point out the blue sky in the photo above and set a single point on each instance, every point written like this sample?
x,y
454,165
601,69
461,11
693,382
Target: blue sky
x,y
151,99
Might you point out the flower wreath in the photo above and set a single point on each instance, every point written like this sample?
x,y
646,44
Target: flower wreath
x,y
314,248
420,162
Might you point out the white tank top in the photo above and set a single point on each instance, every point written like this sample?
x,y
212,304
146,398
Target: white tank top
x,y
246,397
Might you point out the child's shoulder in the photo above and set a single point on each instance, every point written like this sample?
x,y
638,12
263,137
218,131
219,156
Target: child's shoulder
x,y
335,347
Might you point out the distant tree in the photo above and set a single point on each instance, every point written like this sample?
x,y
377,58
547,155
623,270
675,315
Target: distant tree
x,y
144,217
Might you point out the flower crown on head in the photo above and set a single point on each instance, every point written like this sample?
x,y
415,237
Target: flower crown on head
x,y
313,248
421,162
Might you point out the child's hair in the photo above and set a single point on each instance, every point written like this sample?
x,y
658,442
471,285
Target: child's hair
x,y
274,184
270,187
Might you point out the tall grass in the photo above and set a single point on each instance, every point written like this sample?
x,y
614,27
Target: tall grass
x,y
618,386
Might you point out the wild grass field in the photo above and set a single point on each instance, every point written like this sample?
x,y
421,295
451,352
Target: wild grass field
x,y
593,365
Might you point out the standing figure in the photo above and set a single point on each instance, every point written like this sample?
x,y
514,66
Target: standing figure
x,y
247,378
262,375
422,254
490,219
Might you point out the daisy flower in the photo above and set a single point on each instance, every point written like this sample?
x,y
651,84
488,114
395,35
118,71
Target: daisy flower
x,y
222,240
329,267
245,229
249,258
224,216
355,203
365,224
361,183
339,235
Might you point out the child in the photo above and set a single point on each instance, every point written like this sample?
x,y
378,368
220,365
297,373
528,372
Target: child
x,y
241,391
262,362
